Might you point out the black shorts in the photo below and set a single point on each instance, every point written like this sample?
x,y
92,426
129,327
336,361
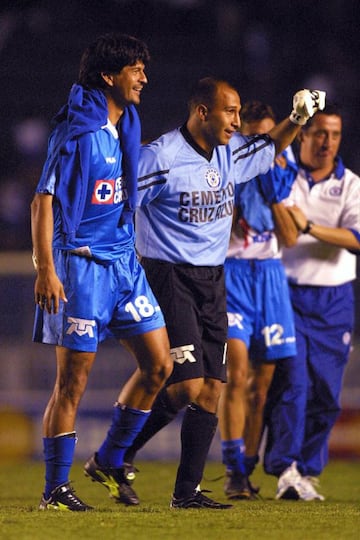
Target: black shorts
x,y
193,302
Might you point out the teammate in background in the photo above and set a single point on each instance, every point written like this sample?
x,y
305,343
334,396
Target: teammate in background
x,y
186,199
89,284
304,396
261,325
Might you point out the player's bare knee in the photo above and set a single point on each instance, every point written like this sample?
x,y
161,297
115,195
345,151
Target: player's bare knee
x,y
155,378
258,400
71,382
184,392
70,392
237,381
164,367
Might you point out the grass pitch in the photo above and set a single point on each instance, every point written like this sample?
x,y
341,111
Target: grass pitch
x,y
336,518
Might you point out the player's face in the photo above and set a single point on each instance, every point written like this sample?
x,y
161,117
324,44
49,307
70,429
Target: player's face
x,y
320,143
127,85
222,118
257,126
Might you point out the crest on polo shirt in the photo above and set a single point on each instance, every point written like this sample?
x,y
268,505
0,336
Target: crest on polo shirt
x,y
335,191
212,177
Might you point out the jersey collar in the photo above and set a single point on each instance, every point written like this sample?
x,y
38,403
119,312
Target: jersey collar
x,y
189,139
337,172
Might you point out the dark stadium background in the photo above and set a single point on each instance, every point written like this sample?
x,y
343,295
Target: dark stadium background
x,y
267,48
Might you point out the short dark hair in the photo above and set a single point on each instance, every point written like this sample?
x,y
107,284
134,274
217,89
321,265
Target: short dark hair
x,y
205,90
109,53
331,108
255,110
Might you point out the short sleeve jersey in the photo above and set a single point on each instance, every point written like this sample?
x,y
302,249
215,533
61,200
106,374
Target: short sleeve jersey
x,y
186,198
99,234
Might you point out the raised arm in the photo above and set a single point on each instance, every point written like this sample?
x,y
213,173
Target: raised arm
x,y
305,104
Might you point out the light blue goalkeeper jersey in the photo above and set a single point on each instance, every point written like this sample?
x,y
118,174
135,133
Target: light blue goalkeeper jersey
x,y
186,197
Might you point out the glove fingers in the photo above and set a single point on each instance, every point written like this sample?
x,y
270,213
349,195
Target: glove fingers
x,y
319,99
314,100
305,104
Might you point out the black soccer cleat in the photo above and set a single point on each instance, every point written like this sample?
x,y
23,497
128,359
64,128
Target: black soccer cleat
x,y
238,487
198,500
62,499
117,481
255,490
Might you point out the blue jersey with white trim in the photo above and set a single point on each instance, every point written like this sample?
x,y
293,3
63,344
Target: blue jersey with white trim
x,y
99,234
186,198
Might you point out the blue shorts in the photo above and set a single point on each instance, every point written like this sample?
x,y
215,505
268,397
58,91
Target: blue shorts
x,y
104,301
259,308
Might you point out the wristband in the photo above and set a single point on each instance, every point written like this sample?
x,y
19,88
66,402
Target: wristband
x,y
309,225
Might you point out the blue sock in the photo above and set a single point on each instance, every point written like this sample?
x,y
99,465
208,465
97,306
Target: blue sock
x,y
126,424
250,464
233,455
58,453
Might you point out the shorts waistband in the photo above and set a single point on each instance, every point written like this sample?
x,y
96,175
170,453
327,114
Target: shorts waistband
x,y
178,265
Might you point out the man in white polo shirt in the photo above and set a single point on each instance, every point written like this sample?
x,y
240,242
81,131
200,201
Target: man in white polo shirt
x,y
304,398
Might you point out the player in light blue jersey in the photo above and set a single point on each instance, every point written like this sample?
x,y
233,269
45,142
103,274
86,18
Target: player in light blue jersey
x,y
187,180
261,324
304,399
89,284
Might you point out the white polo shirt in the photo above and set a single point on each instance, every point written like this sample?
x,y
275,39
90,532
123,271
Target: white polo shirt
x,y
334,202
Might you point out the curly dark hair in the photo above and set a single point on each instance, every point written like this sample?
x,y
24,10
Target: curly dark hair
x,y
109,53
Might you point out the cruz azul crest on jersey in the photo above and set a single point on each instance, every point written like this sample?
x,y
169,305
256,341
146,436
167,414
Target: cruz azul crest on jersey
x,y
109,191
212,177
335,191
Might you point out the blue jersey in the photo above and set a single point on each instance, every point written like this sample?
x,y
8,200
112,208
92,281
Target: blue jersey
x,y
98,234
253,235
186,197
84,173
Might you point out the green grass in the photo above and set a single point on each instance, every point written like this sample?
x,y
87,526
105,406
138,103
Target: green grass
x,y
336,518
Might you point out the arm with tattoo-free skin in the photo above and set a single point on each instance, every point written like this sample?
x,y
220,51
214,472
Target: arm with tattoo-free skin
x,y
337,236
48,289
283,134
285,226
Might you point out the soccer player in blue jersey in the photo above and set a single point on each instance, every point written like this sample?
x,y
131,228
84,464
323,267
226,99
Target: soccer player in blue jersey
x,y
89,284
304,396
261,324
186,188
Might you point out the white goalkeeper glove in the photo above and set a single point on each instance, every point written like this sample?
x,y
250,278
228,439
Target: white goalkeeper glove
x,y
305,104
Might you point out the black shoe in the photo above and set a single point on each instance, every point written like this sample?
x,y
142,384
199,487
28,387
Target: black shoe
x,y
238,486
63,498
117,481
198,500
255,490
